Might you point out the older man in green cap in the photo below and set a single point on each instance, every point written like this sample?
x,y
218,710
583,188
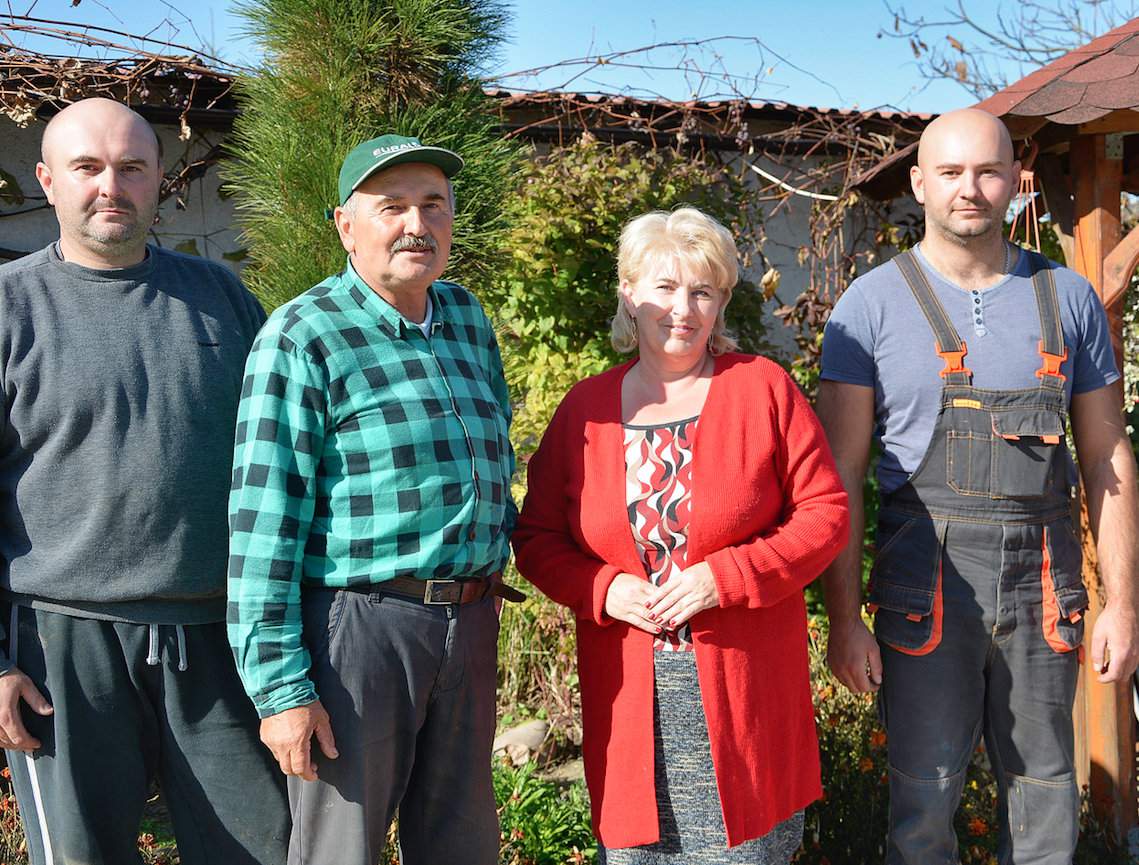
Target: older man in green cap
x,y
369,521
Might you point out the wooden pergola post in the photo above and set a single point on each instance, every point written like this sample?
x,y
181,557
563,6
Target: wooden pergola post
x,y
1105,726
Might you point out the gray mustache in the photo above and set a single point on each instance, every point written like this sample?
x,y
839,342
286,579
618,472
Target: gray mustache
x,y
410,241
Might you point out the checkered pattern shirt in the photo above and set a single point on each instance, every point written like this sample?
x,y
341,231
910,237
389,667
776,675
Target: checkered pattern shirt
x,y
365,451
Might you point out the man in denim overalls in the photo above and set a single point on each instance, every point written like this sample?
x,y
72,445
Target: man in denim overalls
x,y
963,357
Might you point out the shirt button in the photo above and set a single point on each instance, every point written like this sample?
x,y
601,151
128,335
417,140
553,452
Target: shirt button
x,y
471,535
977,301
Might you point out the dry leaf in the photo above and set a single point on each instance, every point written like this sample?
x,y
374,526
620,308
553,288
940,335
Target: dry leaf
x,y
769,282
956,44
962,71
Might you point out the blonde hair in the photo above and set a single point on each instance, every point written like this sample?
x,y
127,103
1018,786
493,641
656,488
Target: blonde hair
x,y
686,234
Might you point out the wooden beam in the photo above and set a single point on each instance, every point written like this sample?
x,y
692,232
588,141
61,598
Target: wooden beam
x,y
1117,269
1122,120
1108,728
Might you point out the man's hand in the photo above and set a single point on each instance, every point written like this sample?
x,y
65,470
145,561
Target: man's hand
x,y
15,686
683,596
1115,643
854,657
288,735
627,601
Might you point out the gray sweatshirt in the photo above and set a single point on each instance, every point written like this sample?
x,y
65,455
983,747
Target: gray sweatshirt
x,y
120,391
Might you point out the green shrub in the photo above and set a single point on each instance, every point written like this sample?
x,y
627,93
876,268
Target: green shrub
x,y
543,822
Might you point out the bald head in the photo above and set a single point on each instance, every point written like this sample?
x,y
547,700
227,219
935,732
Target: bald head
x,y
968,129
95,113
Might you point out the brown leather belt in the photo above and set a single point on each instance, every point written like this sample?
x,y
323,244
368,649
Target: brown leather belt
x,y
442,591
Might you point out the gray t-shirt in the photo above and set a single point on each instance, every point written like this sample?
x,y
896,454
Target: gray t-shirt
x,y
878,337
119,392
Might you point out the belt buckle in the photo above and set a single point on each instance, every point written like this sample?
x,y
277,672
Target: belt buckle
x,y
442,592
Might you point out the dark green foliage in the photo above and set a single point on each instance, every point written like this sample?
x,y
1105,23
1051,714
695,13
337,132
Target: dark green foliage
x,y
336,73
543,823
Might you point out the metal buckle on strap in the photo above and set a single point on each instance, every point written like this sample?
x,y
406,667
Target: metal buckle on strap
x,y
442,592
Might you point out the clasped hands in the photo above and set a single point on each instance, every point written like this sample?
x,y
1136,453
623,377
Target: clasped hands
x,y
634,600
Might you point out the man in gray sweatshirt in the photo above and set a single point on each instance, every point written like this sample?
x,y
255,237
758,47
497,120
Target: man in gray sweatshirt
x,y
120,373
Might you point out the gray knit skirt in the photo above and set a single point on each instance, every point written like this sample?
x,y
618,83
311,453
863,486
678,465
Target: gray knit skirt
x,y
691,822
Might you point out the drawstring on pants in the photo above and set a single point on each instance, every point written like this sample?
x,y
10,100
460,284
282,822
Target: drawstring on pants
x,y
152,654
183,662
152,651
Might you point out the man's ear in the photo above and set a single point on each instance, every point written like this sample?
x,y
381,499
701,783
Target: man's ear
x,y
917,183
43,175
344,220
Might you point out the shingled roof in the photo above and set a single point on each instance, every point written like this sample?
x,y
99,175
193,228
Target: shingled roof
x,y
1082,86
1085,85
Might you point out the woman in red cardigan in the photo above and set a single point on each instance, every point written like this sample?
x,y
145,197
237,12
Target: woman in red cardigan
x,y
678,504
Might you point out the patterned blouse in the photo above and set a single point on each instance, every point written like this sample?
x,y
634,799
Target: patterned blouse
x,y
658,491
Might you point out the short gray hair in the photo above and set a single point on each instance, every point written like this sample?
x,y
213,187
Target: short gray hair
x,y
693,237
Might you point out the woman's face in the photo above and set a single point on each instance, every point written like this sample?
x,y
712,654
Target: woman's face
x,y
675,308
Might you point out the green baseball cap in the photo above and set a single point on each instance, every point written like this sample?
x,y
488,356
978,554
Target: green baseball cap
x,y
366,159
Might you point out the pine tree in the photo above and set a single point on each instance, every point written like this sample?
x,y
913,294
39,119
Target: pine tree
x,y
338,72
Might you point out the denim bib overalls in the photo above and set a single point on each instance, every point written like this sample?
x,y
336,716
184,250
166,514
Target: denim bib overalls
x,y
978,602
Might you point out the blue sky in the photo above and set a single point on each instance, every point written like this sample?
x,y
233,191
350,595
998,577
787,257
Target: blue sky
x,y
811,52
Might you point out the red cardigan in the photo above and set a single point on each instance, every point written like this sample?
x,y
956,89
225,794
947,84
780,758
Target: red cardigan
x,y
768,514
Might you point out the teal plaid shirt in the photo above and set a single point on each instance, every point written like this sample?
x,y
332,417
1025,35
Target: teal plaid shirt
x,y
365,451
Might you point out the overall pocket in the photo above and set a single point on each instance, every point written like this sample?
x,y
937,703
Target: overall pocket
x,y
905,584
1064,598
1025,443
1012,459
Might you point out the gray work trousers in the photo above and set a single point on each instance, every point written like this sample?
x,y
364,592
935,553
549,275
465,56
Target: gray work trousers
x,y
119,721
410,690
1004,668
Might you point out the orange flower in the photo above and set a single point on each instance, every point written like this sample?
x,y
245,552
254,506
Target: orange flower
x,y
877,738
978,827
866,764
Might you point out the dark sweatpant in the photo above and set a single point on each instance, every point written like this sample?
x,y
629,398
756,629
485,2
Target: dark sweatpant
x,y
409,689
119,721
